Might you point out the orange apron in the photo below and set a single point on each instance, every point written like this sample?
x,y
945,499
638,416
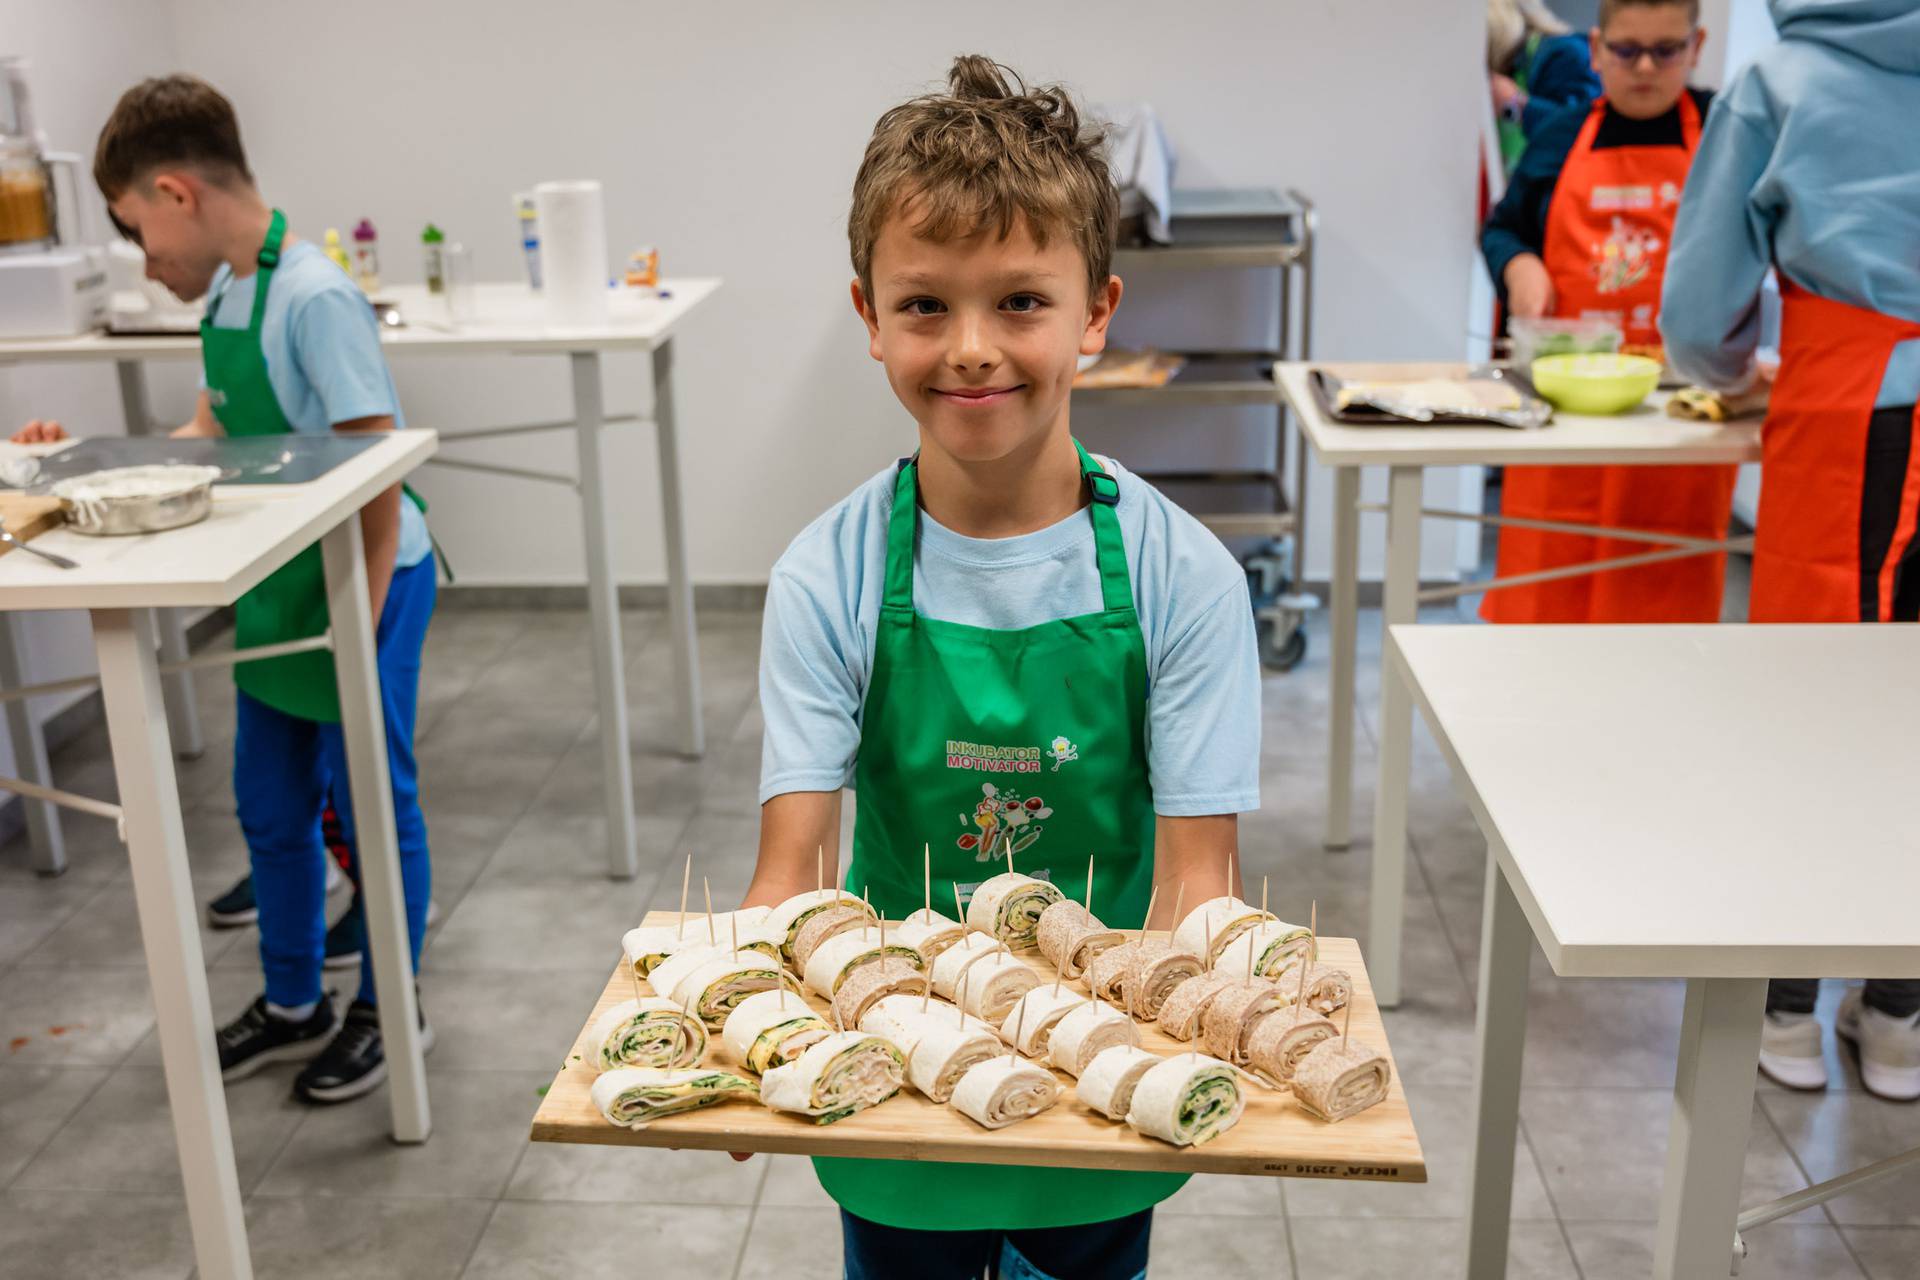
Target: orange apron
x,y
1608,228
1839,482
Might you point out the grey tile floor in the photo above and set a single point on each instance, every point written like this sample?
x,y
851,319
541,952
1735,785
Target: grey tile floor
x,y
88,1182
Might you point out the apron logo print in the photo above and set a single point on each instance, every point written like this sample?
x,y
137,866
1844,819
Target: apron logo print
x,y
1002,819
216,398
1626,257
1061,751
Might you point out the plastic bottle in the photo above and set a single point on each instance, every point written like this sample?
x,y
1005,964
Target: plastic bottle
x,y
366,255
336,252
431,244
524,210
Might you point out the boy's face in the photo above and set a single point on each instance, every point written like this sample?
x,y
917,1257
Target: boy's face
x,y
161,214
1644,55
981,336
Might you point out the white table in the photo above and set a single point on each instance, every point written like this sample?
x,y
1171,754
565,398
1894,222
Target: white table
x,y
1720,804
252,531
1644,437
509,321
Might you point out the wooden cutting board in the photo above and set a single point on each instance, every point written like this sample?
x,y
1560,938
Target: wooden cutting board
x,y
28,516
1274,1137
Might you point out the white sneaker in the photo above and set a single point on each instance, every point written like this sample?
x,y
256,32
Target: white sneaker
x,y
1888,1047
1790,1051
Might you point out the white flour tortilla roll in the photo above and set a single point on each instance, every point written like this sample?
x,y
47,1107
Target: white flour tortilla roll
x,y
951,964
1328,988
1008,906
634,1097
717,987
668,973
1341,1077
1281,1038
1222,919
993,985
930,933
1185,1005
1154,973
648,945
646,1033
771,1029
848,1071
1186,1100
1277,947
836,958
902,1020
787,918
1229,1019
944,1053
1035,1015
1003,1090
828,922
1108,1083
871,982
1085,1032
1108,971
1070,938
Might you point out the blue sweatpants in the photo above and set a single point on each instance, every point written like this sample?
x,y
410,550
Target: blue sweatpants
x,y
285,770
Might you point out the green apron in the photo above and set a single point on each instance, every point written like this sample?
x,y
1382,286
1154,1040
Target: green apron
x,y
970,738
1513,138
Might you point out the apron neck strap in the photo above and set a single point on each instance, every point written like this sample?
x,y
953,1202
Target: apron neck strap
x,y
268,259
1110,553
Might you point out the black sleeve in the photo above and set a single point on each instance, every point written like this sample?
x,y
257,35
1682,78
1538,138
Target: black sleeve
x,y
1518,224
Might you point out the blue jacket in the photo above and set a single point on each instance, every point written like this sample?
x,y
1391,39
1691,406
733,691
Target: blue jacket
x,y
1560,74
1811,163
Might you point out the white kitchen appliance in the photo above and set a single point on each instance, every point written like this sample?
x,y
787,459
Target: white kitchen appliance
x,y
49,286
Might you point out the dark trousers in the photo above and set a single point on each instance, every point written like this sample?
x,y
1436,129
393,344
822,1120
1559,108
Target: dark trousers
x,y
1115,1250
1895,997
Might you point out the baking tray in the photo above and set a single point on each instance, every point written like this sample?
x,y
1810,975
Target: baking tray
x,y
1274,1137
1325,384
265,460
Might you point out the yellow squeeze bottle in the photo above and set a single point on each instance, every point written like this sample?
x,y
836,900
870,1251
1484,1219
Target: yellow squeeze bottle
x,y
336,252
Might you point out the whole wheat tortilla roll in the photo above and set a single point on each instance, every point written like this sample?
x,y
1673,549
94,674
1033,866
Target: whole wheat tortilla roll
x,y
945,1053
848,1071
787,918
1340,1078
1108,971
666,975
888,977
1180,1015
1034,1016
1156,970
1229,1018
771,1029
635,1097
836,959
821,925
1069,938
1276,946
1328,988
904,1020
951,964
1186,1100
993,985
1221,919
1004,1089
1085,1032
653,1032
717,987
1108,1083
930,933
1008,906
1280,1038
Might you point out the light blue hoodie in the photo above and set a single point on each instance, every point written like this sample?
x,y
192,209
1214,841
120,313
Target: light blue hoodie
x,y
1810,161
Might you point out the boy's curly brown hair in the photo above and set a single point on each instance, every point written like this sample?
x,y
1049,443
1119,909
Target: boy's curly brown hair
x,y
984,155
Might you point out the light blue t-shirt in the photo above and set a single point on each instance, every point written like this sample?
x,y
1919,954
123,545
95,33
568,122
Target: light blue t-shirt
x,y
1203,669
322,345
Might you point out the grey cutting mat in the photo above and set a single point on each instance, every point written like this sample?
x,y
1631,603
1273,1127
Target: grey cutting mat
x,y
284,459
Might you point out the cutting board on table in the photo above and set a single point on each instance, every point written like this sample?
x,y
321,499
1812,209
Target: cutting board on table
x,y
28,516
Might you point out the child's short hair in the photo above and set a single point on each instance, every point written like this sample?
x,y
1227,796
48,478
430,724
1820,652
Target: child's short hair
x,y
984,154
1608,8
172,121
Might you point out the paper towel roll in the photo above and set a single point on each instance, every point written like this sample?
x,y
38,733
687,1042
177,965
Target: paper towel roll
x,y
573,252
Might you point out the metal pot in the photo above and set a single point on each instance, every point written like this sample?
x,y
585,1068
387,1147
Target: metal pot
x,y
165,497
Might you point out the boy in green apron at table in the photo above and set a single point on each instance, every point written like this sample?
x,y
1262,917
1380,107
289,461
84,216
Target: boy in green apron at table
x,y
1002,588
289,344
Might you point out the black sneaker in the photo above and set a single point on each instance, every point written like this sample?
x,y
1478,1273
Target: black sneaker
x,y
257,1037
235,907
355,1063
345,940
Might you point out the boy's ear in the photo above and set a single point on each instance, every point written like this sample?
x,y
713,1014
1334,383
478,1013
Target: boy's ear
x,y
1099,315
176,189
864,305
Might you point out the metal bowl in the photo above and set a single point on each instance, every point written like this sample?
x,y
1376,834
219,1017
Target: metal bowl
x,y
151,499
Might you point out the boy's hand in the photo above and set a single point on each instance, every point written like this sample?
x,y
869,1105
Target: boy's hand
x,y
1508,96
1529,287
40,431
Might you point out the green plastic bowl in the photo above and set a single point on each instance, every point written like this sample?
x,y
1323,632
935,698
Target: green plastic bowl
x,y
1595,383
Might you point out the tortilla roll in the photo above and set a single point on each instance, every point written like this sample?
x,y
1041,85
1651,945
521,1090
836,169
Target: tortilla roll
x,y
787,918
1085,1032
648,945
645,1033
1187,1100
1229,1019
1280,1038
1328,988
951,964
1185,1005
826,923
930,933
1009,906
869,982
771,1029
995,984
1155,971
635,1097
666,975
717,987
836,959
848,1071
1004,1090
1070,938
1276,946
1221,919
906,1020
1108,1083
1108,971
945,1052
1034,1016
1340,1077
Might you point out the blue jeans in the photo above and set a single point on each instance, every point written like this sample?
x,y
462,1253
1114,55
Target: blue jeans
x,y
285,769
1115,1250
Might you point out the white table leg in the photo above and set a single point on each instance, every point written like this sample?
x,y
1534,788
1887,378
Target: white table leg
x,y
1341,659
361,721
1506,947
686,654
1387,904
1712,1112
603,611
45,837
169,931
